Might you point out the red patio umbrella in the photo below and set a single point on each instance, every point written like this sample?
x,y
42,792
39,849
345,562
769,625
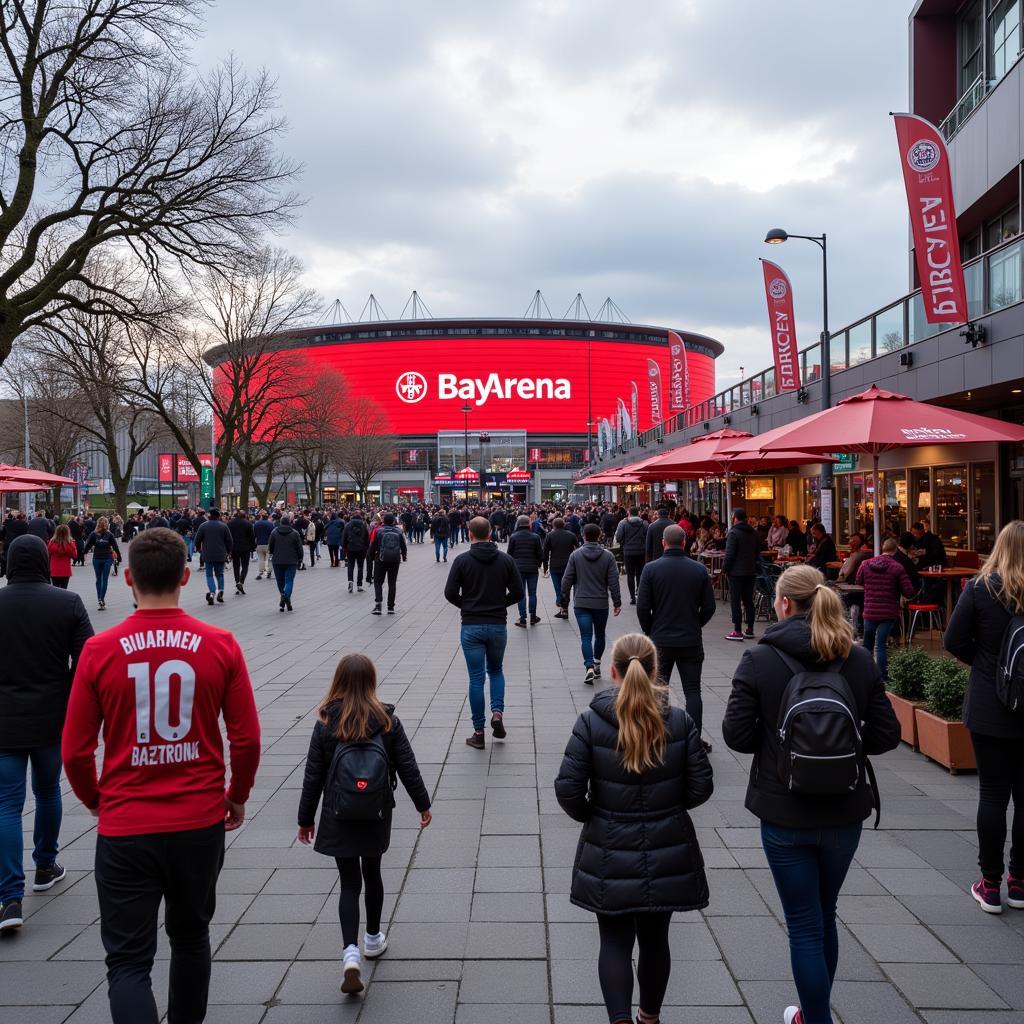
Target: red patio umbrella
x,y
877,421
22,475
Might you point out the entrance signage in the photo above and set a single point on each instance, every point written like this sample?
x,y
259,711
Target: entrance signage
x,y
929,183
782,323
478,391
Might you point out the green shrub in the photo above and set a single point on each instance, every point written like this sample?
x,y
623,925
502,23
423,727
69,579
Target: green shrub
x,y
909,671
945,689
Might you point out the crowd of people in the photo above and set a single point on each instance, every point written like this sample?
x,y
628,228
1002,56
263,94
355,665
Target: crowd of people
x,y
807,702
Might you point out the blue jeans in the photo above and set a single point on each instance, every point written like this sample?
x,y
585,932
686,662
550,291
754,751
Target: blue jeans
x,y
190,545
484,649
556,580
441,546
285,576
102,569
46,765
214,569
592,622
529,591
876,635
809,868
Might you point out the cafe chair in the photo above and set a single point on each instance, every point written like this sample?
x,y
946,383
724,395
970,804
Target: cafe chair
x,y
934,613
966,560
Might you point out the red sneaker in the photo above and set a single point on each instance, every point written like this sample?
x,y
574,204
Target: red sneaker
x,y
987,895
1015,892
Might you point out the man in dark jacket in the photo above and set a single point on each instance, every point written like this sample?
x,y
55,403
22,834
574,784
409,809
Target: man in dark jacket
x,y
559,544
40,526
824,549
609,523
652,543
262,529
388,551
243,544
355,542
484,582
631,536
286,553
454,527
527,550
740,566
676,601
439,531
931,550
42,632
213,542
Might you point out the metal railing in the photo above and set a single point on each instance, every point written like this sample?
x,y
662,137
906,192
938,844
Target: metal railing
x,y
965,106
994,281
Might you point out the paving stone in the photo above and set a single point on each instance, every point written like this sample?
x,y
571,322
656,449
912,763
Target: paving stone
x,y
903,943
944,987
514,982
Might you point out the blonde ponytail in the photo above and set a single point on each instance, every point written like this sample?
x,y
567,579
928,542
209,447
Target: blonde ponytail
x,y
831,634
640,703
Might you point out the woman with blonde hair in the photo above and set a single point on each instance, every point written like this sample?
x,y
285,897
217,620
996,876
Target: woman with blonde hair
x,y
809,837
975,636
103,545
632,769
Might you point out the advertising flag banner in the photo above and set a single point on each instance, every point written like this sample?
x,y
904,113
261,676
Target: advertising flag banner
x,y
535,455
779,293
627,423
679,394
635,396
165,468
929,182
654,383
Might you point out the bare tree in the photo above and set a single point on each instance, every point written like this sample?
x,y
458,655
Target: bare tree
x,y
367,447
109,141
318,421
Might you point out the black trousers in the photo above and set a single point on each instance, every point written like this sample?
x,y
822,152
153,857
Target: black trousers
x,y
133,874
741,593
1000,779
689,661
240,565
357,562
634,565
390,572
619,933
332,550
311,546
353,871
60,581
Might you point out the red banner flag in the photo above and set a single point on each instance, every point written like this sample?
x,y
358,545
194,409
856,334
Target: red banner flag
x,y
165,468
679,394
779,293
654,383
929,182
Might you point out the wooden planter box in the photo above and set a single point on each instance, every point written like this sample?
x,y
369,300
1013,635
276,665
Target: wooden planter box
x,y
948,743
904,710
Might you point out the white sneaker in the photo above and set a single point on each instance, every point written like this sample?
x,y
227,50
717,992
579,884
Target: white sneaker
x,y
374,945
793,1015
352,981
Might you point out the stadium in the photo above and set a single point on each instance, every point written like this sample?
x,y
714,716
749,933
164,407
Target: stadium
x,y
505,406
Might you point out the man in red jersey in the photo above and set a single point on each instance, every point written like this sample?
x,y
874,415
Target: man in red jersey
x,y
157,685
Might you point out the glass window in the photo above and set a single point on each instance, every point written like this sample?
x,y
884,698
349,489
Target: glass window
x,y
860,343
863,497
919,326
922,497
1004,277
894,501
951,505
1004,36
969,44
889,329
974,282
842,499
812,363
983,476
970,248
837,351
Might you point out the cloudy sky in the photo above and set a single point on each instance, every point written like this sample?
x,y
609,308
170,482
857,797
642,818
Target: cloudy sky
x,y
477,150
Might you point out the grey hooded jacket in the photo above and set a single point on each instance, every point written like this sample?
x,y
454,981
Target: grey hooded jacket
x,y
592,570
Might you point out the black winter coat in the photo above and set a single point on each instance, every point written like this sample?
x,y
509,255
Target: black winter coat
x,y
356,838
742,545
675,600
638,850
42,632
243,536
652,543
751,727
558,546
527,551
975,636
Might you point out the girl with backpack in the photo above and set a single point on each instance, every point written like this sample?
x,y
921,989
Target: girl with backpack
x,y
980,625
105,551
807,680
357,750
632,770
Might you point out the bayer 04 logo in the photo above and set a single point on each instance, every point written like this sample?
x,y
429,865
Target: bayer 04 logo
x,y
923,156
411,387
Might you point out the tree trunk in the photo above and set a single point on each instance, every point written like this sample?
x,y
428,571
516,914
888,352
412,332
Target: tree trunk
x,y
245,480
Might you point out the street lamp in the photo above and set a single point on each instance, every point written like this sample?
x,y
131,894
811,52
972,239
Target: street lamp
x,y
466,410
776,237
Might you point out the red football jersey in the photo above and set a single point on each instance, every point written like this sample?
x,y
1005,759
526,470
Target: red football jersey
x,y
158,685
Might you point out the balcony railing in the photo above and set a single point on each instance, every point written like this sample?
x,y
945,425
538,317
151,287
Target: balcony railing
x,y
965,106
994,281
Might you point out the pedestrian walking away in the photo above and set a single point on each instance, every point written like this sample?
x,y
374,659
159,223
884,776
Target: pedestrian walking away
x,y
982,633
810,706
592,575
262,529
884,581
356,754
105,552
633,769
161,800
62,551
676,601
652,542
285,549
243,544
355,542
42,632
213,542
439,531
388,549
631,536
526,549
484,583
559,544
740,566
333,533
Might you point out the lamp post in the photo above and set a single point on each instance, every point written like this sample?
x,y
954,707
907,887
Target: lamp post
x,y
776,237
466,410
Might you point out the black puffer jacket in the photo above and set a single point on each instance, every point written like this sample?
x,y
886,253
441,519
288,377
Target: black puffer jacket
x,y
751,727
356,838
975,636
527,551
638,850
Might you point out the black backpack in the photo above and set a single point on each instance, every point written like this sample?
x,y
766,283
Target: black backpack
x,y
821,749
390,546
1010,666
360,782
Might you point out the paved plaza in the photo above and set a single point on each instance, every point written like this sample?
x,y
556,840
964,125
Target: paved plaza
x,y
480,926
